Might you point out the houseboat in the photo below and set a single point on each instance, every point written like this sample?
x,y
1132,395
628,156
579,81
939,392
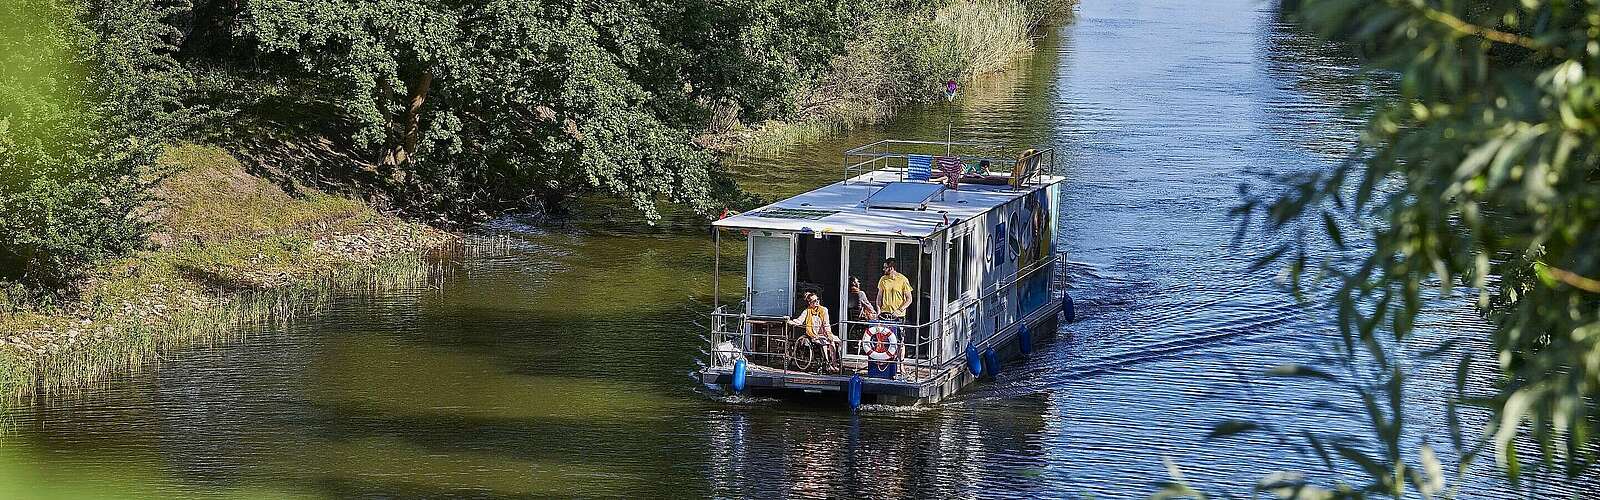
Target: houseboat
x,y
928,267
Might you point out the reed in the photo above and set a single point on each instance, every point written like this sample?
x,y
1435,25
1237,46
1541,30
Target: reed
x,y
901,59
121,343
235,251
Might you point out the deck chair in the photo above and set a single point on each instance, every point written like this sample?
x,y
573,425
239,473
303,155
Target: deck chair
x,y
1027,165
919,167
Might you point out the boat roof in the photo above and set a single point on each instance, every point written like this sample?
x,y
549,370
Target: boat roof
x,y
842,207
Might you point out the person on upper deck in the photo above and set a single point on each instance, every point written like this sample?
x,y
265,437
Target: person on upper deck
x,y
894,292
816,323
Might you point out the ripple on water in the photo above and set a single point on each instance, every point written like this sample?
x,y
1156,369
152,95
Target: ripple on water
x,y
555,365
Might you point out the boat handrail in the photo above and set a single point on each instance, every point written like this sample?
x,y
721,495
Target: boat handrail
x,y
930,335
877,154
858,150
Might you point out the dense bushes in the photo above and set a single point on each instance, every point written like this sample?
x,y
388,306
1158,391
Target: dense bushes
x,y
465,106
85,102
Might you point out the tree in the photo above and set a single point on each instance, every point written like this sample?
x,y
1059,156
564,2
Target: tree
x,y
88,94
1483,171
495,104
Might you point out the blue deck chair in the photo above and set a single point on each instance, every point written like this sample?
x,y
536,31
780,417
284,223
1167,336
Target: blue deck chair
x,y
919,167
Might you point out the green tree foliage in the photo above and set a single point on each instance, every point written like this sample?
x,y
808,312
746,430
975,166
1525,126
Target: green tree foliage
x,y
473,104
446,107
88,92
1482,171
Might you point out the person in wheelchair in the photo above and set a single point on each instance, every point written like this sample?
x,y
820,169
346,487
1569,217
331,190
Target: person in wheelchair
x,y
814,322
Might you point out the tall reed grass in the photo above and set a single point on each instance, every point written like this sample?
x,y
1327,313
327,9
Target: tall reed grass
x,y
121,344
900,59
236,251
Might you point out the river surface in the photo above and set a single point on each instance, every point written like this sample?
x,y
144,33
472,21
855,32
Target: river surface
x,y
559,363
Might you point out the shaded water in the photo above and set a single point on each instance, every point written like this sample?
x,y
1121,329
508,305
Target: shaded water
x,y
561,366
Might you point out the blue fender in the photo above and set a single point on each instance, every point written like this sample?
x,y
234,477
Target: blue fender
x,y
1067,309
1025,340
738,376
992,359
854,392
974,363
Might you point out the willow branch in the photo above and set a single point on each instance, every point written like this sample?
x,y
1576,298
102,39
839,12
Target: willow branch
x,y
1571,278
1460,26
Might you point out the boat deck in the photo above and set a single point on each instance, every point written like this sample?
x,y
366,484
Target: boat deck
x,y
914,383
909,383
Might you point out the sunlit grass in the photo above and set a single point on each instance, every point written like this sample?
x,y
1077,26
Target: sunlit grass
x,y
233,250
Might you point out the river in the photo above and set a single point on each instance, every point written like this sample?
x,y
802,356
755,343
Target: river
x,y
559,364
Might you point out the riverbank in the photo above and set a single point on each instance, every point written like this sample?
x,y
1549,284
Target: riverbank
x,y
899,59
230,248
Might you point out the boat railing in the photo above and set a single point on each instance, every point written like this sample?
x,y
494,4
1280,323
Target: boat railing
x,y
925,348
916,346
766,343
892,155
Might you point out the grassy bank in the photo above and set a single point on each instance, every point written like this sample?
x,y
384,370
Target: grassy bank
x,y
229,248
901,58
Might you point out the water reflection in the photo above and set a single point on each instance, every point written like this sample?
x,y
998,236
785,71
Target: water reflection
x,y
882,453
558,366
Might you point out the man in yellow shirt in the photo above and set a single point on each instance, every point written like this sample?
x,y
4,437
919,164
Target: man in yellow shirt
x,y
894,292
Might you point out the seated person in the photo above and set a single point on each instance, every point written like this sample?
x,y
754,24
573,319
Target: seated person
x,y
859,303
815,323
882,347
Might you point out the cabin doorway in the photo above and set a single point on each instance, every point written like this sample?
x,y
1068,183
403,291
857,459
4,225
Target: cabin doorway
x,y
816,270
864,262
917,266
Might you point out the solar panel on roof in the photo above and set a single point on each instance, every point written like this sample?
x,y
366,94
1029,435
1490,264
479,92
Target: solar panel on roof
x,y
905,195
794,213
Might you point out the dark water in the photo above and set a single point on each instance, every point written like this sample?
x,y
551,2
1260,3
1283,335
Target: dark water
x,y
560,367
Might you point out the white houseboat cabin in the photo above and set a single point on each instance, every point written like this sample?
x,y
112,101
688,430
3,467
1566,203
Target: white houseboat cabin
x,y
927,267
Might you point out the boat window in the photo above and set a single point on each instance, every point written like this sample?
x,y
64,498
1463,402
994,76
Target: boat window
x,y
908,257
954,278
969,262
866,264
769,276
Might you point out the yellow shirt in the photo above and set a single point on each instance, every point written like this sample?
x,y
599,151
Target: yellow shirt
x,y
894,293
